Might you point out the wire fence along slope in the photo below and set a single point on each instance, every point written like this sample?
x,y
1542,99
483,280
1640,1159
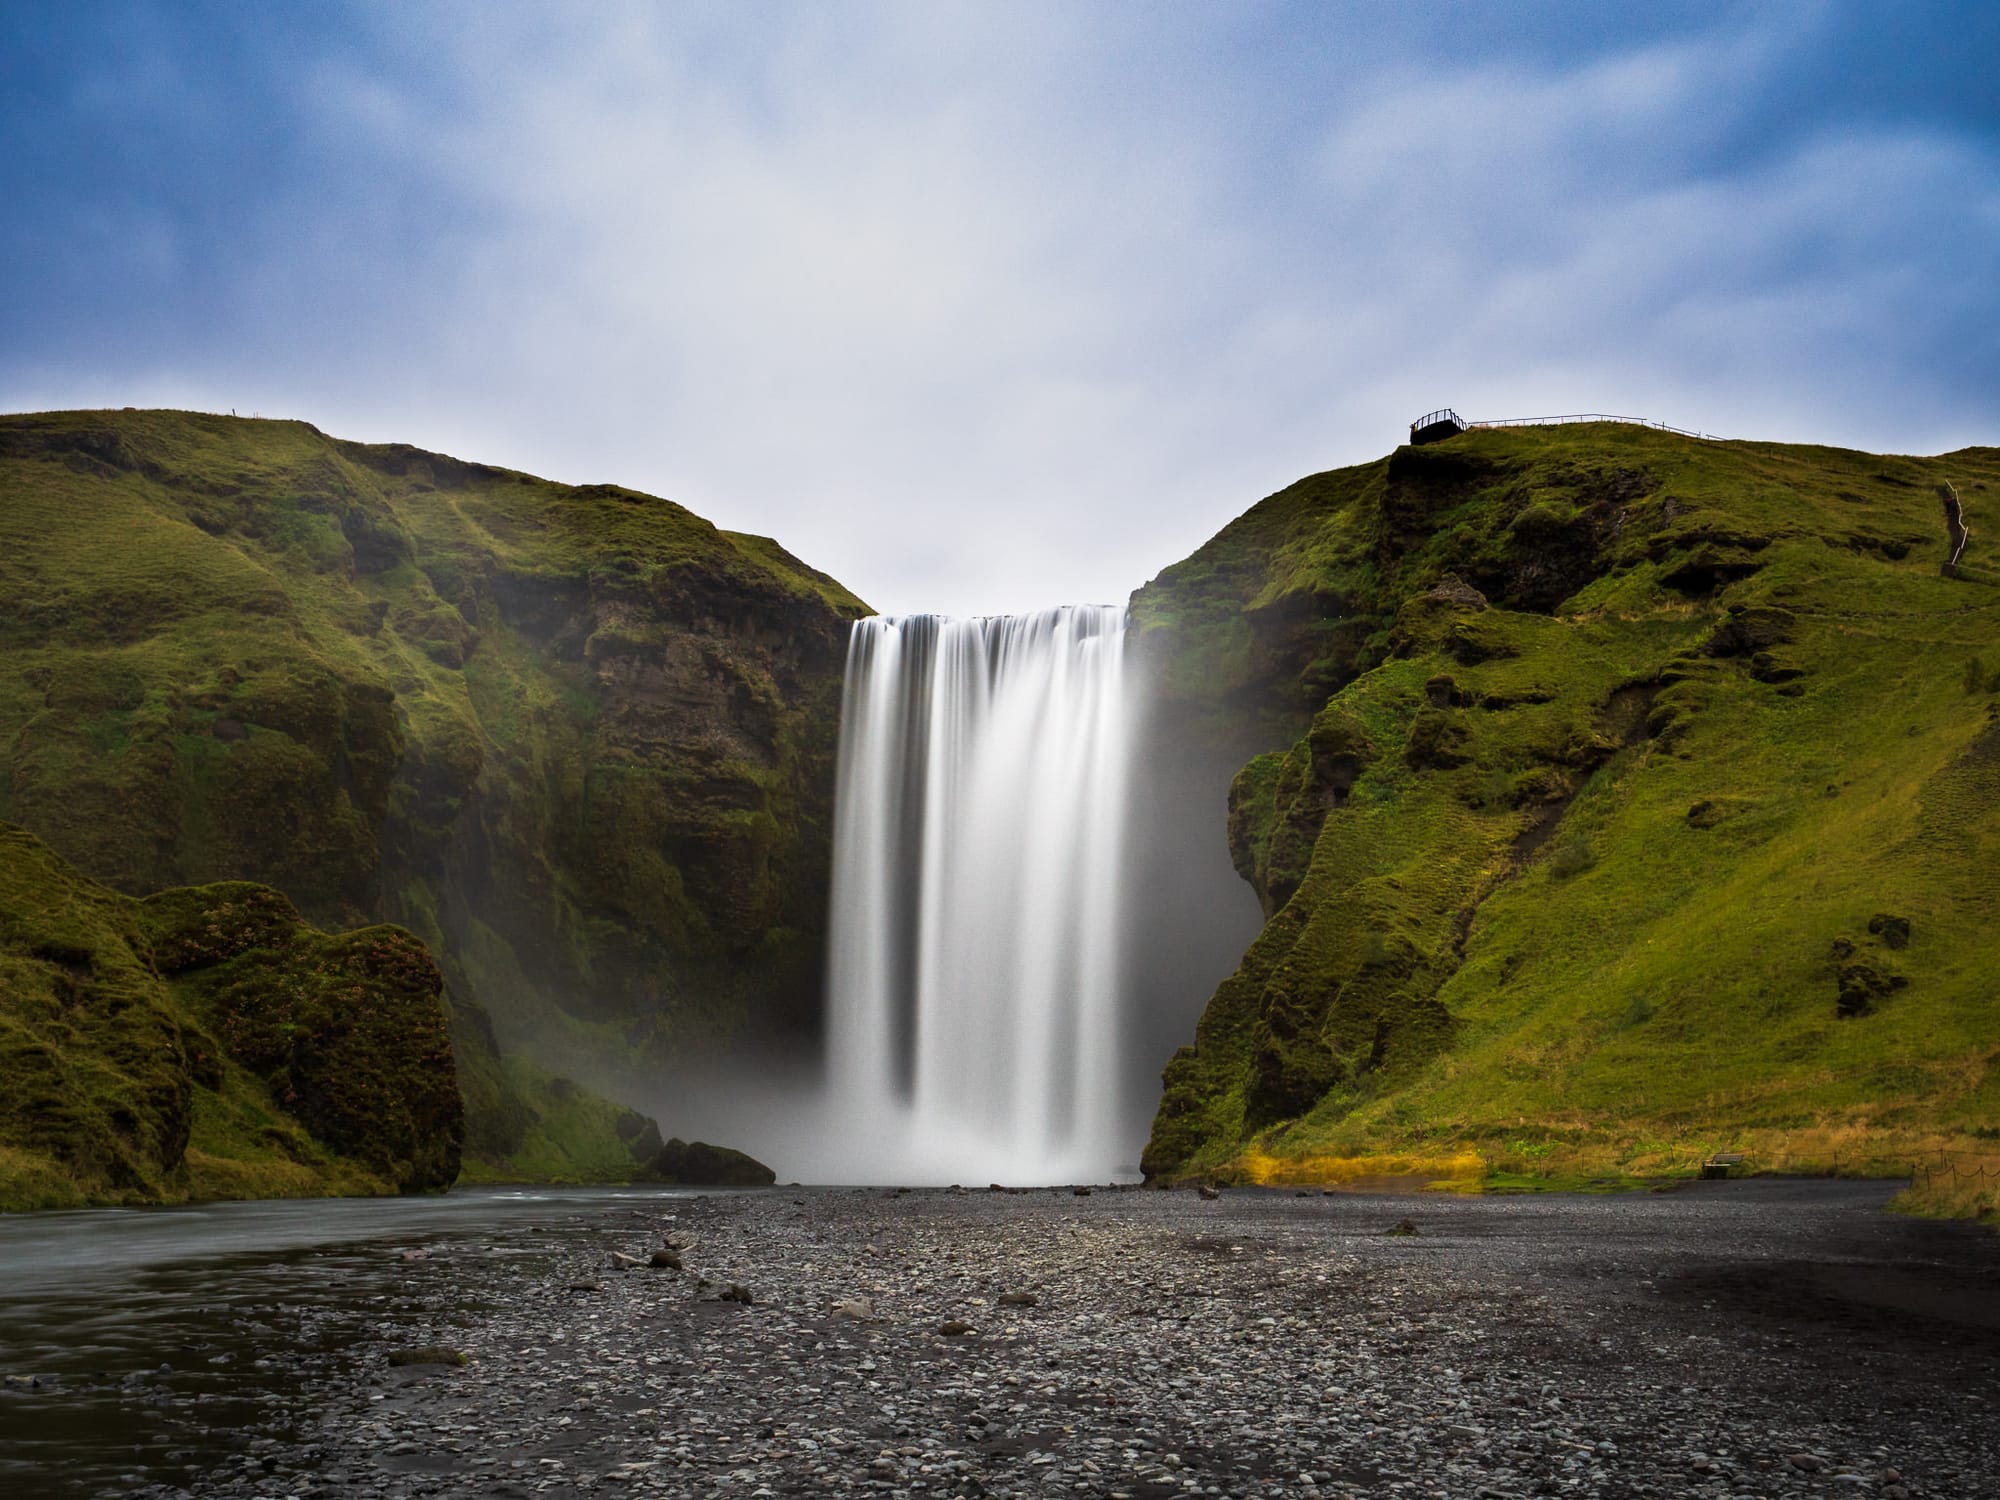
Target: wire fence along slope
x,y
1595,416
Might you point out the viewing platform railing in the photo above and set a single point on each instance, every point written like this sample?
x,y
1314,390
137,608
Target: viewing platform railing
x,y
1591,416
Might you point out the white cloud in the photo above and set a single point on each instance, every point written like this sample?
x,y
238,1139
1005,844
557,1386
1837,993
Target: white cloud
x,y
983,308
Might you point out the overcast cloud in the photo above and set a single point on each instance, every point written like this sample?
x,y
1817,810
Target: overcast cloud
x,y
984,308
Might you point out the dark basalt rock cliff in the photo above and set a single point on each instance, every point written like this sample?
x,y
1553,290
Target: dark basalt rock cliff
x,y
1591,757
577,739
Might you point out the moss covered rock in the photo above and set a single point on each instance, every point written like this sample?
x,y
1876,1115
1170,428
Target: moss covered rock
x,y
207,1042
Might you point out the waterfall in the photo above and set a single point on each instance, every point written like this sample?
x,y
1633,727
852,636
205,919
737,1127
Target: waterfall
x,y
973,960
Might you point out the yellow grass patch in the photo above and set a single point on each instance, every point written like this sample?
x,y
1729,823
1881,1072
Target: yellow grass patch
x,y
1458,1169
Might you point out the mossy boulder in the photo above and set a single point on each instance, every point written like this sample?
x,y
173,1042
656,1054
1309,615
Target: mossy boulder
x,y
349,1033
207,1042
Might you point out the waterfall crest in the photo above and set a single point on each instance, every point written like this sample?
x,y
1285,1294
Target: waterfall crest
x,y
974,970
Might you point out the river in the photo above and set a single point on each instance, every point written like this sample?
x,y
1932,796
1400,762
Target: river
x,y
141,1346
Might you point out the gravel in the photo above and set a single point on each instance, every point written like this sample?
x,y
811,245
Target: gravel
x,y
1728,1339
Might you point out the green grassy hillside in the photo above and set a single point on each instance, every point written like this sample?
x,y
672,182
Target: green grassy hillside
x,y
576,739
1641,799
206,1043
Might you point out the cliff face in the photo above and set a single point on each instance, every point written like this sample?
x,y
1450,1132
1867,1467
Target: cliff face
x,y
205,1042
576,739
1626,796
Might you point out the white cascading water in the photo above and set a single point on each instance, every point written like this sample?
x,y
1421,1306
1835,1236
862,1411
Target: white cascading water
x,y
974,966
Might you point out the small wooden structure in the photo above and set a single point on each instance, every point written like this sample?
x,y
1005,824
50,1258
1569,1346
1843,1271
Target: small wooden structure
x,y
1436,426
1719,1164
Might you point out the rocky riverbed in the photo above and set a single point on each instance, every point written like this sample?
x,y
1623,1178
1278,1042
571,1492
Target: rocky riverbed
x,y
1726,1339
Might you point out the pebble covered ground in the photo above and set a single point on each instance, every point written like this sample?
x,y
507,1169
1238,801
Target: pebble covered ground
x,y
1734,1339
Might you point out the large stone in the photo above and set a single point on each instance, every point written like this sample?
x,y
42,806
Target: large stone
x,y
698,1164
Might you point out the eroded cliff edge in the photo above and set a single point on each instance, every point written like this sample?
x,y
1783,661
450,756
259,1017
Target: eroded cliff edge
x,y
1625,795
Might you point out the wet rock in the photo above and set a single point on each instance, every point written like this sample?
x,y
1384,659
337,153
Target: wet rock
x,y
1402,1227
1227,1347
626,1262
665,1260
427,1354
1209,1193
698,1164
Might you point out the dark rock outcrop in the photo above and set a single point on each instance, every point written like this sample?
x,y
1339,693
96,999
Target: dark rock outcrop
x,y
698,1164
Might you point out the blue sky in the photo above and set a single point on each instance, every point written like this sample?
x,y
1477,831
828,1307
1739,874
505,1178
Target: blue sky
x,y
988,307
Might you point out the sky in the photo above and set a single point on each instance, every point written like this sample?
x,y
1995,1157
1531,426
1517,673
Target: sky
x,y
983,308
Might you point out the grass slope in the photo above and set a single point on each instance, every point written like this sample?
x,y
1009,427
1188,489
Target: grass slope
x,y
206,1043
575,738
1643,800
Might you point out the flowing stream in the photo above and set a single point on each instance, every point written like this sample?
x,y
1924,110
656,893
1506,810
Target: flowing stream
x,y
974,966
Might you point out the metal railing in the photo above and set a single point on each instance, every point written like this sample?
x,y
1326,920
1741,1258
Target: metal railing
x,y
1443,415
1593,416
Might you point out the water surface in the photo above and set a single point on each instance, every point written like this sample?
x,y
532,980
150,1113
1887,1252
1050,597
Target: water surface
x,y
141,1346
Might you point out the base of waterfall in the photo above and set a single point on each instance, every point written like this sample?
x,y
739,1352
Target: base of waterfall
x,y
877,1143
